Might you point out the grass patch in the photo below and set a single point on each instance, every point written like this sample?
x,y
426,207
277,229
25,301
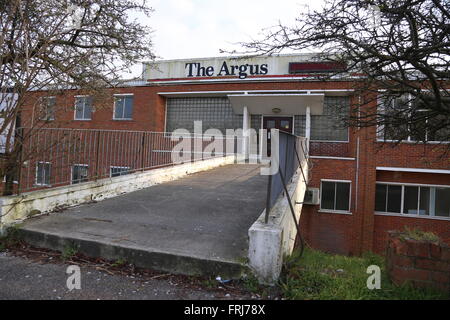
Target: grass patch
x,y
119,263
419,235
322,276
68,252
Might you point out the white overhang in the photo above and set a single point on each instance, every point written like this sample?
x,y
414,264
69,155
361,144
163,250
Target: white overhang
x,y
417,170
277,104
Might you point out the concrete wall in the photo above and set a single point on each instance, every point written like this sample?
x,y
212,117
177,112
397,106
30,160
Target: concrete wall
x,y
271,242
14,209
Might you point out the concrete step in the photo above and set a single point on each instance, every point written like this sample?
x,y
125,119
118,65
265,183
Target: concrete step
x,y
141,257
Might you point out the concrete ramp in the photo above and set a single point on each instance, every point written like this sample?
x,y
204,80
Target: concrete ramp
x,y
197,225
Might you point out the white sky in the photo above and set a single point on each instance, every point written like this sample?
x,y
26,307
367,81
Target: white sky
x,y
200,28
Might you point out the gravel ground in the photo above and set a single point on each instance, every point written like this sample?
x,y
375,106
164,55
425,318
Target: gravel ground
x,y
28,278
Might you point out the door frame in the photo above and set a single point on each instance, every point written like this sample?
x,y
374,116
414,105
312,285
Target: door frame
x,y
262,125
278,116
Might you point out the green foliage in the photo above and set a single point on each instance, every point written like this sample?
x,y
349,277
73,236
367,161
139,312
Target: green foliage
x,y
318,275
419,235
119,262
251,284
68,252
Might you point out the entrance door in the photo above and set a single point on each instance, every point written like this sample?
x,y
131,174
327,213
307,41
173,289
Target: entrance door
x,y
280,123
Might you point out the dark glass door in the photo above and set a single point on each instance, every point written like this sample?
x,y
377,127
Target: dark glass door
x,y
280,123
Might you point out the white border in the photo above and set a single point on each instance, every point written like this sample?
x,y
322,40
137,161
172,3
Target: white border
x,y
349,211
71,172
416,170
84,106
36,176
406,215
114,107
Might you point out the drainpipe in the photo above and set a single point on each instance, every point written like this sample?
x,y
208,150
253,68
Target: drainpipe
x,y
308,128
245,133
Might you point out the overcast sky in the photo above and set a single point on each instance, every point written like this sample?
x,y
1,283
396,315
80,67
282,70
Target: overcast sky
x,y
200,28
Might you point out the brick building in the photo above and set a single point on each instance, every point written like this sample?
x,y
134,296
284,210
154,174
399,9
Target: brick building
x,y
367,186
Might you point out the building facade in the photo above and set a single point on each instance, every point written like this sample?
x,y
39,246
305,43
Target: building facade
x,y
367,186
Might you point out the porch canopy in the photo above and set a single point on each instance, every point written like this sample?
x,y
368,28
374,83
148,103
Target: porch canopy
x,y
277,104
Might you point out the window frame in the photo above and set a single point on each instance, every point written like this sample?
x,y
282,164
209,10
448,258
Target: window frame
x,y
381,128
349,211
119,167
431,215
44,117
123,95
71,173
84,106
36,183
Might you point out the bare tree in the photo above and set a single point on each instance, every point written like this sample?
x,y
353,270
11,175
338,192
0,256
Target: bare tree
x,y
55,45
397,52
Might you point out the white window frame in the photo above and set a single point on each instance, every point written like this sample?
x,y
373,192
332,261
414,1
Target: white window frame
x,y
37,170
118,167
114,106
414,215
71,172
349,197
84,106
44,117
381,128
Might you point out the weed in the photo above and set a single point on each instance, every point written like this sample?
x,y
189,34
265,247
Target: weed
x,y
419,235
119,262
251,284
68,252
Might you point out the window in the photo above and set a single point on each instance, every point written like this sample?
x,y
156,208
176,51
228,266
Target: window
x,y
47,111
411,121
413,200
123,107
83,108
442,202
80,173
43,170
335,196
119,171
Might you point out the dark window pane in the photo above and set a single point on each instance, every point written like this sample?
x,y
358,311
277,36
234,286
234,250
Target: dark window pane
x,y
79,106
128,113
424,203
380,198
119,171
285,124
79,174
394,199
442,208
43,173
342,196
87,109
411,198
270,124
327,195
118,112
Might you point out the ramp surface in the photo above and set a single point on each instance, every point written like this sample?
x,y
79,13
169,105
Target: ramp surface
x,y
195,225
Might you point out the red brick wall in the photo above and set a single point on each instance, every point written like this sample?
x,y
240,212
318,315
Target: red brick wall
x,y
408,155
386,223
148,111
422,263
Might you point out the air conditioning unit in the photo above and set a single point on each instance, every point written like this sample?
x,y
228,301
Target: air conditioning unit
x,y
311,196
